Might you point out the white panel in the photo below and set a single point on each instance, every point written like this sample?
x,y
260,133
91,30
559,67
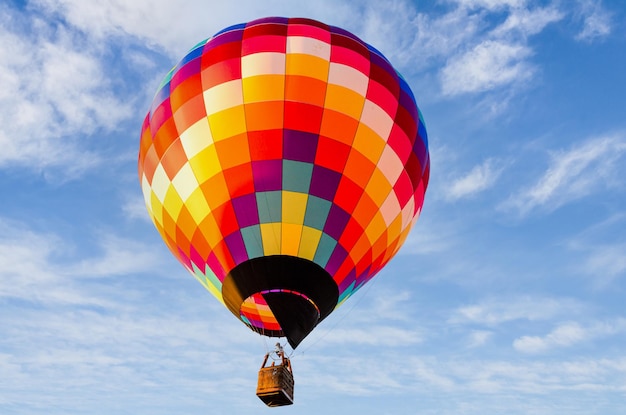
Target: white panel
x,y
308,46
346,76
196,138
264,63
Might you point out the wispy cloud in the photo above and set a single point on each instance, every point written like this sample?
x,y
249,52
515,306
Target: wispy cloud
x,y
568,334
478,179
52,85
597,21
573,174
492,312
499,56
488,65
601,251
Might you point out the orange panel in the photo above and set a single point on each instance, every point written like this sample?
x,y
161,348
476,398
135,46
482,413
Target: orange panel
x,y
338,126
304,89
268,115
215,191
191,112
173,159
233,151
359,168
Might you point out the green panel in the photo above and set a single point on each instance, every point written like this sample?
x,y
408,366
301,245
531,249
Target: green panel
x,y
208,275
316,212
270,206
297,176
252,239
324,250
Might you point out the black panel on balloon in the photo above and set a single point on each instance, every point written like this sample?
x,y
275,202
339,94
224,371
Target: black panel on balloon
x,y
274,276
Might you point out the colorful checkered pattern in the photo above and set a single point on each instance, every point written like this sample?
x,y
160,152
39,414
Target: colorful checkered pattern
x,y
284,136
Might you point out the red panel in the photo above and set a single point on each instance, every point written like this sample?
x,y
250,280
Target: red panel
x,y
265,145
351,233
303,117
239,180
221,72
331,154
348,194
226,219
381,96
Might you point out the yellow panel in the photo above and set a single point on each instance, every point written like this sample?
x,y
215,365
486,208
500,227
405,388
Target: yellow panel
x,y
205,164
378,187
223,96
376,227
309,242
294,207
211,231
157,209
173,203
196,138
344,100
228,123
271,235
307,65
264,88
291,236
197,205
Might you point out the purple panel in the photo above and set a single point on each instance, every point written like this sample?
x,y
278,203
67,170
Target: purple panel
x,y
191,68
237,247
336,222
280,20
299,146
246,210
267,174
324,182
222,38
336,259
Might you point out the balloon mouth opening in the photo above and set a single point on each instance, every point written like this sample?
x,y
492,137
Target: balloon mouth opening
x,y
280,295
257,314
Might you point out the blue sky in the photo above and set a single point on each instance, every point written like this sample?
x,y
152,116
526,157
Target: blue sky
x,y
508,296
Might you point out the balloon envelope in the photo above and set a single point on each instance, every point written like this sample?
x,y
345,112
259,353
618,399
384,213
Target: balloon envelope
x,y
283,161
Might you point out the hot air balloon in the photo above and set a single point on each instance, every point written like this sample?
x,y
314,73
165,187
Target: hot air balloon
x,y
284,162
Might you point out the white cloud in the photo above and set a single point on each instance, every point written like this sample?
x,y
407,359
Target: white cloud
x,y
37,267
573,174
527,22
567,335
601,251
490,4
597,21
488,65
480,178
53,86
493,312
479,338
